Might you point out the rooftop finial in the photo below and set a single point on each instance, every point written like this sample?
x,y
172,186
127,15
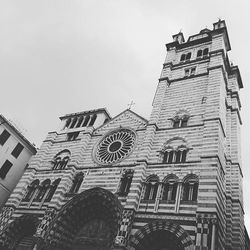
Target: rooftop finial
x,y
130,104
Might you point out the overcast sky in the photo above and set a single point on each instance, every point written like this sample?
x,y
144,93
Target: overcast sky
x,y
58,57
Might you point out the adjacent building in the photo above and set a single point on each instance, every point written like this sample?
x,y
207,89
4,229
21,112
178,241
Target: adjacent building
x,y
15,153
171,182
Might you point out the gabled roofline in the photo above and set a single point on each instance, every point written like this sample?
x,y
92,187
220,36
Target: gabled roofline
x,y
31,145
142,118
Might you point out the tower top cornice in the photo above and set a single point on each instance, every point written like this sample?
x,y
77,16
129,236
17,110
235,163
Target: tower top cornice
x,y
87,112
205,35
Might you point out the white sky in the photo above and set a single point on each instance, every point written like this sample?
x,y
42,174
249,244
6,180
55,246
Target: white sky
x,y
58,57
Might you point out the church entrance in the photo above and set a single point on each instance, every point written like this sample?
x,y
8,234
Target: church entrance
x,y
18,235
160,240
89,221
161,235
94,235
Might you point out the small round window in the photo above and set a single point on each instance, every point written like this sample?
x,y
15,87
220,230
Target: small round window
x,y
115,146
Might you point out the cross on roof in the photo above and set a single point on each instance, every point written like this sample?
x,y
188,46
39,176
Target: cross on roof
x,y
130,104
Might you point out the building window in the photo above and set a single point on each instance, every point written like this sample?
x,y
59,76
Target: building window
x,y
31,190
73,123
79,123
92,121
5,169
52,190
185,57
68,122
86,121
190,72
180,122
77,182
115,146
61,160
4,137
202,53
190,188
180,119
175,156
72,136
17,150
125,182
43,189
169,190
151,188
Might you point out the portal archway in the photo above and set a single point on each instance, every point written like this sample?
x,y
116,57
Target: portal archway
x,y
18,234
161,235
88,222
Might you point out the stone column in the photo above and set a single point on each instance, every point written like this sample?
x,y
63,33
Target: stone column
x,y
121,240
158,196
213,240
178,197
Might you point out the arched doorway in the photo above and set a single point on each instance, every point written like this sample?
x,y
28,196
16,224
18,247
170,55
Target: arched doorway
x,y
161,235
18,235
87,222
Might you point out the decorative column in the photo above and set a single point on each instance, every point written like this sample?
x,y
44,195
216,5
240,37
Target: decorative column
x,y
213,240
191,190
5,215
158,197
42,227
121,240
206,233
178,197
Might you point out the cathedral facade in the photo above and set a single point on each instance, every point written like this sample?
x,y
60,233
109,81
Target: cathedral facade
x,y
173,182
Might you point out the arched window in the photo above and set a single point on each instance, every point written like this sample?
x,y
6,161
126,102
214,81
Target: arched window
x,y
86,120
169,190
185,57
44,187
180,122
52,189
92,121
174,151
31,190
64,162
151,188
175,156
73,123
205,52
125,182
188,56
77,183
190,188
168,156
61,159
178,156
57,162
180,119
199,53
202,53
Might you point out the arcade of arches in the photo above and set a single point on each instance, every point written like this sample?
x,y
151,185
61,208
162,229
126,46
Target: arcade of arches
x,y
90,221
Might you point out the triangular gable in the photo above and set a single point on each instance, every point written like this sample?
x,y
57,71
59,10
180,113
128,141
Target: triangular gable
x,y
127,118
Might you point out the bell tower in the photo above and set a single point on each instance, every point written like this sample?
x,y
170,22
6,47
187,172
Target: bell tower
x,y
195,125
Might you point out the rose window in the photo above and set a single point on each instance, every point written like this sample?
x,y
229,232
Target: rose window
x,y
115,147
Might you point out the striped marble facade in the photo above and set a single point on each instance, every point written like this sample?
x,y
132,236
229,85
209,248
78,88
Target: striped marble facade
x,y
184,176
